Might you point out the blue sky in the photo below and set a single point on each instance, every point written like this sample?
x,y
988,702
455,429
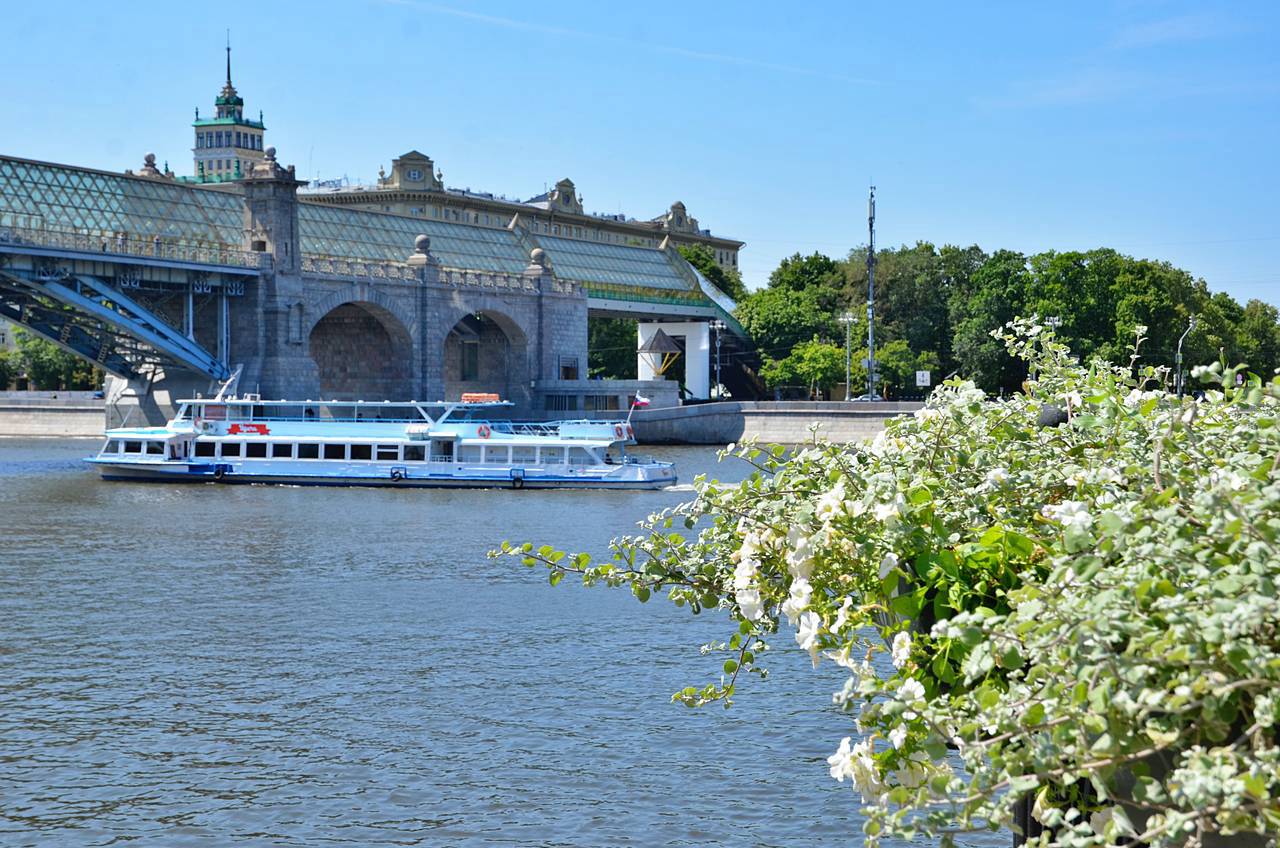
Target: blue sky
x,y
1143,125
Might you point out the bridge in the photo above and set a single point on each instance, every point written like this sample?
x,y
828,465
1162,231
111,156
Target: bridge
x,y
169,287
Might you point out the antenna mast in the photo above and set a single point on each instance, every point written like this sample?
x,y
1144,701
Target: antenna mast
x,y
871,297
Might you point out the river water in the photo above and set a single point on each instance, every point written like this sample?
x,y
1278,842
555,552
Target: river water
x,y
254,665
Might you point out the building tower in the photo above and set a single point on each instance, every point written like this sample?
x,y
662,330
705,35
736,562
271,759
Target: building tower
x,y
227,146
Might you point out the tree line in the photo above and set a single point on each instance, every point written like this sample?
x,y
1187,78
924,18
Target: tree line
x,y
45,366
936,308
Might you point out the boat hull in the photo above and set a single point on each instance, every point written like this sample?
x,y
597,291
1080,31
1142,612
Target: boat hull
x,y
624,477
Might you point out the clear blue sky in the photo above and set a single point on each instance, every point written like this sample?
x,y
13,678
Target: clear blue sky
x,y
1147,126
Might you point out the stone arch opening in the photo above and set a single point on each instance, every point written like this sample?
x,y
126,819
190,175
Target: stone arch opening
x,y
362,352
486,351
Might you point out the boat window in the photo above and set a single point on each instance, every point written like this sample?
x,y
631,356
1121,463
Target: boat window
x,y
155,448
206,449
256,450
282,450
362,451
493,453
133,447
469,453
230,448
308,450
580,456
335,451
442,451
414,453
112,446
551,455
388,451
524,453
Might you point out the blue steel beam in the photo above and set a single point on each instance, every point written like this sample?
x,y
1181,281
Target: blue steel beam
x,y
60,328
112,309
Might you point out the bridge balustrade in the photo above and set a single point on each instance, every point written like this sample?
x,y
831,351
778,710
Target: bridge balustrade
x,y
128,244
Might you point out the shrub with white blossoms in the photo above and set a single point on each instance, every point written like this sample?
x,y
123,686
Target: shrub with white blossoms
x,y
1085,612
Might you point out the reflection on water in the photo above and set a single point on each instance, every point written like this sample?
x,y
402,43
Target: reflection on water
x,y
299,666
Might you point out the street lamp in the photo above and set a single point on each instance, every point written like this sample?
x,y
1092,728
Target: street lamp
x,y
718,327
1178,358
846,318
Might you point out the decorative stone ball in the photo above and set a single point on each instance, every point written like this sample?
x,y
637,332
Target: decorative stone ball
x,y
538,256
271,153
150,159
422,243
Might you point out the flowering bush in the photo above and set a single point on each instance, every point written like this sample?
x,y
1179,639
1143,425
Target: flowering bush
x,y
1077,589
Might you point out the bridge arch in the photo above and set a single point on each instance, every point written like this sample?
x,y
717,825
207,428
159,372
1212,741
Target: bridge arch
x,y
486,350
362,351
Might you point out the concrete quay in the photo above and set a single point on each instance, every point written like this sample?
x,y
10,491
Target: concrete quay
x,y
51,414
780,422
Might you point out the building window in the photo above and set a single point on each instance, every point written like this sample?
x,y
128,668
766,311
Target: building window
x,y
600,403
568,368
415,174
561,403
470,364
555,229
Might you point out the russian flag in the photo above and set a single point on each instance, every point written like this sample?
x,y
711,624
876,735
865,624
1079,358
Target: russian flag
x,y
640,402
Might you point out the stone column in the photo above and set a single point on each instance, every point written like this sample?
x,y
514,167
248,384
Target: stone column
x,y
428,371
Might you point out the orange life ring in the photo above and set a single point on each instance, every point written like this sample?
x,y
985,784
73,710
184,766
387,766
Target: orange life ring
x,y
618,431
483,431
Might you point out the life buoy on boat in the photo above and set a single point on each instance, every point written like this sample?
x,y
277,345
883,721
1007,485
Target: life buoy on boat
x,y
618,431
517,483
219,472
483,431
397,474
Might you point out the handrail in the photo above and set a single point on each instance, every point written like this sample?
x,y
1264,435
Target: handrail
x,y
122,243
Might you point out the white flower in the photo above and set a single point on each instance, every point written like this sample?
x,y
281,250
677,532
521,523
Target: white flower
x,y
901,649
911,693
1074,400
807,634
1069,514
887,564
800,560
857,764
751,603
842,616
801,592
898,736
744,573
841,761
996,476
831,504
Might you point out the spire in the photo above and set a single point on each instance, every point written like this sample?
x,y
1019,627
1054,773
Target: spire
x,y
228,58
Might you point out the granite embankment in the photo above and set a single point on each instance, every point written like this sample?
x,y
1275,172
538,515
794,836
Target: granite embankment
x,y
782,422
53,414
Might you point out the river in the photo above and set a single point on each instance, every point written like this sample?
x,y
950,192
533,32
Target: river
x,y
254,665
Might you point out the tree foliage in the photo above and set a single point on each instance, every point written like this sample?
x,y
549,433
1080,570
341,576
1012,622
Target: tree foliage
x,y
814,364
50,367
611,348
728,280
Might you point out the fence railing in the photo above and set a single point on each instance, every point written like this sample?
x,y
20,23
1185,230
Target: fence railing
x,y
133,244
336,266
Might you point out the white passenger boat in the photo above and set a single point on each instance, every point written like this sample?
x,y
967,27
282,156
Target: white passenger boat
x,y
346,443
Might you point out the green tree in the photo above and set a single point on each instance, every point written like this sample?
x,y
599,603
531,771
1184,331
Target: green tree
x,y
995,293
897,365
728,280
10,367
779,318
815,272
50,367
1258,337
611,348
815,364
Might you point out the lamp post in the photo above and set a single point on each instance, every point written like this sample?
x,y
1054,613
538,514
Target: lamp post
x,y
1178,358
718,327
846,318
